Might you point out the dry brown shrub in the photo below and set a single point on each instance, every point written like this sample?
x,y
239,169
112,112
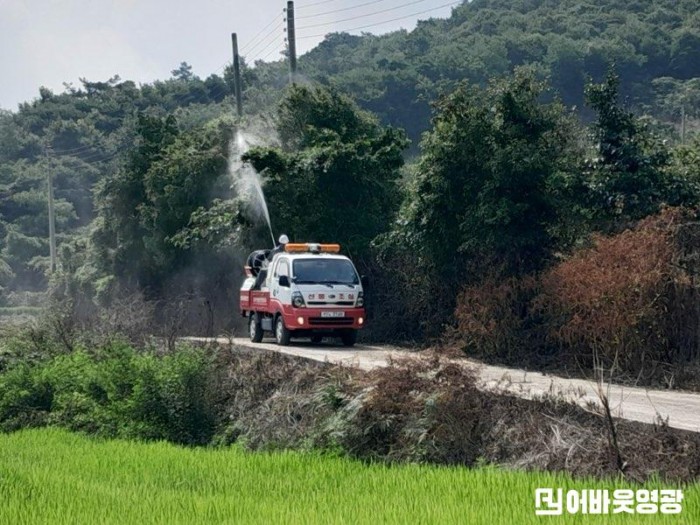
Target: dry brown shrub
x,y
629,301
619,300
270,400
430,410
626,300
418,410
492,318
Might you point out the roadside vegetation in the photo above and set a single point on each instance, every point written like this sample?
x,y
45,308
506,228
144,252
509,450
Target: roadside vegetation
x,y
627,303
468,246
426,411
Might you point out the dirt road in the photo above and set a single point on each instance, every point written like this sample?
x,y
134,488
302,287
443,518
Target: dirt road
x,y
636,404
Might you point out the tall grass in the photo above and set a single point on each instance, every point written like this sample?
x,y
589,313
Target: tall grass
x,y
52,476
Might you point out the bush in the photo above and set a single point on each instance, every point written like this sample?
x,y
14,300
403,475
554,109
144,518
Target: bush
x,y
630,301
25,398
493,318
415,411
115,391
626,300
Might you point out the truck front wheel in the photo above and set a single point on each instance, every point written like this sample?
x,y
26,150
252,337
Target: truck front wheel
x,y
282,333
349,337
254,328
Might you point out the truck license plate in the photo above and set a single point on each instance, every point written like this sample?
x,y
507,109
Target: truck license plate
x,y
333,314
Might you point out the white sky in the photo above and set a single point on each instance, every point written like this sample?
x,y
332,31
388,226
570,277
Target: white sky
x,y
48,42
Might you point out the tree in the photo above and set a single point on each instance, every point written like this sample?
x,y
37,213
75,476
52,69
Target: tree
x,y
334,177
491,180
628,177
168,176
685,170
184,72
677,97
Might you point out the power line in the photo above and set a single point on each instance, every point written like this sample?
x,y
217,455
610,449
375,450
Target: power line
x,y
271,43
95,156
73,151
85,147
277,49
384,22
365,15
250,42
304,6
250,47
340,10
103,156
266,41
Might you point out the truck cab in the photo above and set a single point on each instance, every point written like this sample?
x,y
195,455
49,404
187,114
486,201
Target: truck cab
x,y
309,291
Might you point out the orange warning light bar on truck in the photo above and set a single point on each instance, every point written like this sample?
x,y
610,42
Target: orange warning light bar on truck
x,y
312,247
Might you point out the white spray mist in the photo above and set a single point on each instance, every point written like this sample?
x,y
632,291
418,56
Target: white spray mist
x,y
246,181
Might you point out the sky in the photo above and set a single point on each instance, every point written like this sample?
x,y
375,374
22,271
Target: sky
x,y
49,42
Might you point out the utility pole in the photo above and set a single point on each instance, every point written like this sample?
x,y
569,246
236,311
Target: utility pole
x,y
292,43
237,87
52,218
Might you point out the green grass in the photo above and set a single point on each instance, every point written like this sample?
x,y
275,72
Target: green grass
x,y
52,476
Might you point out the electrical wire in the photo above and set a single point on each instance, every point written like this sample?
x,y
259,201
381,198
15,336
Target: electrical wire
x,y
265,42
72,151
252,40
277,49
97,157
304,6
384,22
251,48
101,157
339,10
362,16
271,43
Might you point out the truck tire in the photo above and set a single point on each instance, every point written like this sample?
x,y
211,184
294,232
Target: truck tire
x,y
254,328
282,333
349,337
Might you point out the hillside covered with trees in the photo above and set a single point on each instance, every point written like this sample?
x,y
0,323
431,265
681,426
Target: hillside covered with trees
x,y
489,147
654,44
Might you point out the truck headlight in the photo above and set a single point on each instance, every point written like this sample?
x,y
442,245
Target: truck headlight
x,y
360,300
298,300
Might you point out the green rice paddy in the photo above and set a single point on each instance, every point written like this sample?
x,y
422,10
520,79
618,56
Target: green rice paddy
x,y
53,476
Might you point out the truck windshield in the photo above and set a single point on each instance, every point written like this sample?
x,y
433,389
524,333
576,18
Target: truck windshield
x,y
325,271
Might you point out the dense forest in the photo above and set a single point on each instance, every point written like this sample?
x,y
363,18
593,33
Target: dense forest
x,y
506,136
654,44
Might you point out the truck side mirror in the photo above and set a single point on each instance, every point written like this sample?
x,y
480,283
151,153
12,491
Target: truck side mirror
x,y
284,281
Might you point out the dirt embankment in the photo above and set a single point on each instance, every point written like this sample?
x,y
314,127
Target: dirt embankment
x,y
433,411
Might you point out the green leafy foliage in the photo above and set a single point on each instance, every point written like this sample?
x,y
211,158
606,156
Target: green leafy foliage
x,y
140,200
334,178
224,223
491,180
629,177
397,74
86,131
142,207
114,391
